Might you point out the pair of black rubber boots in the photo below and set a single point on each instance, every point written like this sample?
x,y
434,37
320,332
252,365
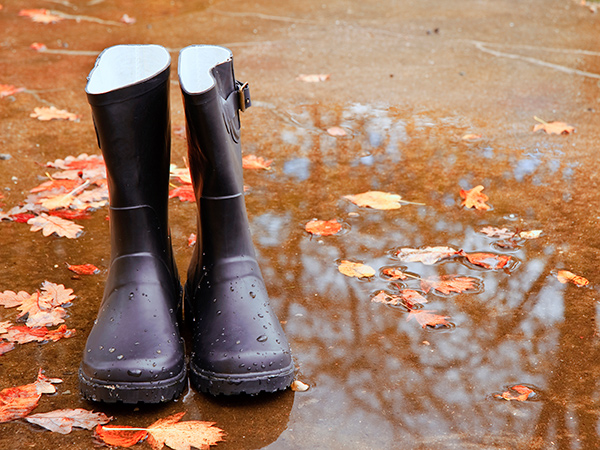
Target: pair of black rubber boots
x,y
135,352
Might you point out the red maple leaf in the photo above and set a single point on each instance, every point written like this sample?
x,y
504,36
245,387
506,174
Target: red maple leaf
x,y
185,193
83,269
17,402
447,284
487,260
426,318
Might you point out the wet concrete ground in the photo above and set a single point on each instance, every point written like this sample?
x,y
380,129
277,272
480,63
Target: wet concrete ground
x,y
408,80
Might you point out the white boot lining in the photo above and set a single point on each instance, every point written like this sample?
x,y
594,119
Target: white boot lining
x,y
195,64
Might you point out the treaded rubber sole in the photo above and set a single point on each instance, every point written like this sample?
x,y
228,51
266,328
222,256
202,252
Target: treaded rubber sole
x,y
251,383
132,393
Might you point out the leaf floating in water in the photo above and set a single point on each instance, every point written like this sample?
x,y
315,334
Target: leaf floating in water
x,y
487,260
426,318
52,113
256,162
532,234
323,227
518,392
426,255
336,131
448,284
313,78
378,200
474,198
501,233
564,276
553,127
358,270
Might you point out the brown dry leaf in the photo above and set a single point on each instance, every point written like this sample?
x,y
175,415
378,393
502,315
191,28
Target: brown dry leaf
x,y
44,113
553,127
426,255
376,200
9,89
487,260
358,270
323,227
336,131
501,233
51,224
474,198
256,162
17,402
426,318
313,78
83,269
183,435
63,420
447,284
564,276
532,234
518,392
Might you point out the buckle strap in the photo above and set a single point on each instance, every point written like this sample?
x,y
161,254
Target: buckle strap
x,y
243,91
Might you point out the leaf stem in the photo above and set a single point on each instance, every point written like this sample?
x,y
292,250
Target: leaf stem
x,y
540,120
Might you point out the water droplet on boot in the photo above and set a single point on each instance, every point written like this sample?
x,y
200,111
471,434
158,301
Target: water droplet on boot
x,y
252,294
101,347
242,366
219,313
111,350
131,295
120,357
158,351
262,338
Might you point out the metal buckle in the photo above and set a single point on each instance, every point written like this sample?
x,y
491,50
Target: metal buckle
x,y
242,96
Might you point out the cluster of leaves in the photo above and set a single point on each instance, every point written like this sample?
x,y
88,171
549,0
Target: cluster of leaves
x,y
71,193
44,308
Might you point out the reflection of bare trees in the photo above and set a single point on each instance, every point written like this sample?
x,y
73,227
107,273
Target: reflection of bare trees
x,y
403,383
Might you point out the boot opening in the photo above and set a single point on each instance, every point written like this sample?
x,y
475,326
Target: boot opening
x,y
125,65
195,65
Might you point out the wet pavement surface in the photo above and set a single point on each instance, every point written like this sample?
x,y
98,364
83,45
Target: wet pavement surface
x,y
407,81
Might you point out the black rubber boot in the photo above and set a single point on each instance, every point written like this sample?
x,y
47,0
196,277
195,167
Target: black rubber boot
x,y
238,343
134,352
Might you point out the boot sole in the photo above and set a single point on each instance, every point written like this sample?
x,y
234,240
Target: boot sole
x,y
251,384
132,392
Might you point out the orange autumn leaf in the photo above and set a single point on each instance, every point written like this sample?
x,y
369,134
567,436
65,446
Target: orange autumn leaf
x,y
63,420
127,19
185,193
487,260
61,185
9,89
474,198
425,255
79,163
408,298
10,299
6,347
394,273
38,47
531,234
553,127
52,224
564,276
471,137
21,334
83,269
52,113
17,402
336,131
518,392
448,284
182,174
122,436
358,270
501,233
323,227
256,162
426,318
192,240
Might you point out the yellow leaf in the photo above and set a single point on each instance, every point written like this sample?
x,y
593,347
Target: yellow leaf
x,y
564,276
358,270
52,113
183,435
376,200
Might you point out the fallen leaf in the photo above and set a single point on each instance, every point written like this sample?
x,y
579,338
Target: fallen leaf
x,y
447,284
44,308
168,431
10,299
487,260
474,198
40,15
122,436
426,318
22,217
9,89
126,19
17,402
532,234
80,163
564,276
70,214
51,224
313,78
501,233
185,193
56,185
192,240
44,113
358,270
336,131
323,227
376,200
256,162
182,174
83,269
394,274
63,420
408,298
4,326
553,127
426,255
6,347
518,392
22,334
38,47
299,386
58,201
471,137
